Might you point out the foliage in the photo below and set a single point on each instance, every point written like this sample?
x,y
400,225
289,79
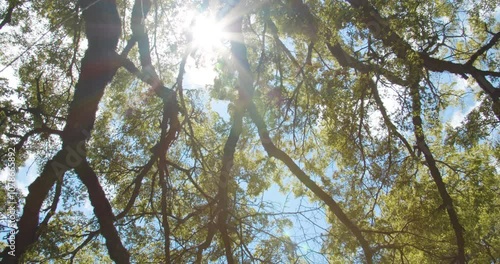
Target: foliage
x,y
382,116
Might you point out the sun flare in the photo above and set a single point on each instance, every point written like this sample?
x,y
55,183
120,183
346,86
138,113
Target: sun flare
x,y
207,33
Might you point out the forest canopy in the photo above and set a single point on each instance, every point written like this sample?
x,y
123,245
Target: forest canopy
x,y
179,131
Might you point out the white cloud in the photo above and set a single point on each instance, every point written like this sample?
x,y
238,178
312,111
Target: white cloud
x,y
460,113
456,119
455,115
389,96
25,175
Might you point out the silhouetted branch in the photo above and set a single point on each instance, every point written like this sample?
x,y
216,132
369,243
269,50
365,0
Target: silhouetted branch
x,y
273,151
103,212
435,173
7,18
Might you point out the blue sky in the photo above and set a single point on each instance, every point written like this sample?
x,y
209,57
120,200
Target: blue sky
x,y
309,224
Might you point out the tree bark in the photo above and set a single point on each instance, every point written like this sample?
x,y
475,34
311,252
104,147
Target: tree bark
x,y
436,174
334,207
99,65
103,212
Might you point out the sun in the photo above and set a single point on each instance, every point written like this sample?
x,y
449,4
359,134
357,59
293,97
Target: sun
x,y
207,33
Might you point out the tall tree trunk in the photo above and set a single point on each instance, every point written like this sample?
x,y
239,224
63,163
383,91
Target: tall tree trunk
x,y
99,65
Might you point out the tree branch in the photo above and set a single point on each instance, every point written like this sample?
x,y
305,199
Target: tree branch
x,y
435,173
275,152
7,18
103,212
98,68
383,31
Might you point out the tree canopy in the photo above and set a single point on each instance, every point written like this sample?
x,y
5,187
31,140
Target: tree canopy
x,y
177,120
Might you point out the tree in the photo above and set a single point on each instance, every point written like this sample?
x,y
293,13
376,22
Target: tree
x,y
348,104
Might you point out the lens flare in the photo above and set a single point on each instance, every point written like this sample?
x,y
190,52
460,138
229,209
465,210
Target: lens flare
x,y
207,33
